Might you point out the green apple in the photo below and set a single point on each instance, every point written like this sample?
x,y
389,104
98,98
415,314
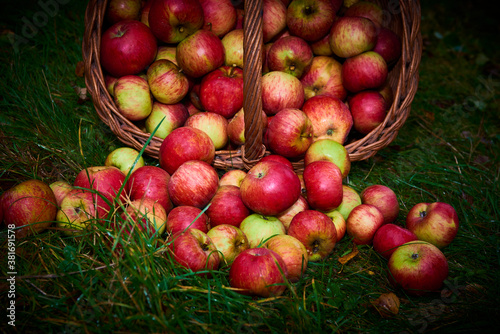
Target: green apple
x,y
329,150
29,206
124,158
258,228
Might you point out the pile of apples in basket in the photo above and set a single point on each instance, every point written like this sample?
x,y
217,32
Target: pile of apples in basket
x,y
175,69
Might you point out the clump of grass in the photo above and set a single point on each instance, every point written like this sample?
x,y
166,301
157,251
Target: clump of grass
x,y
447,151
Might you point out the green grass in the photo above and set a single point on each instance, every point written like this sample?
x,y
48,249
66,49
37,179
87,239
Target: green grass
x,y
447,151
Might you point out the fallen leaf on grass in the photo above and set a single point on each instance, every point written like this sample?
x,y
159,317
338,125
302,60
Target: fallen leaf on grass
x,y
82,94
387,305
348,257
80,69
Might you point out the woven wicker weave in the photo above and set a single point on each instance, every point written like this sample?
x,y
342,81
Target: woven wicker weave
x,y
403,78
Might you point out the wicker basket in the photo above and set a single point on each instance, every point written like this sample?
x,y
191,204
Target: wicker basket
x,y
403,78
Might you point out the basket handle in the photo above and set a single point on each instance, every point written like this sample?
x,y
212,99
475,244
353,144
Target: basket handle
x,y
252,73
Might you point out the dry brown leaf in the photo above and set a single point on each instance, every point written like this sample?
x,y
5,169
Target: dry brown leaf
x,y
346,258
80,69
387,305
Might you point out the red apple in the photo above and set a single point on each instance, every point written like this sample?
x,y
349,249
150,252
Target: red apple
x,y
171,21
194,94
324,77
418,268
221,91
310,19
286,216
259,228
107,183
290,133
323,181
150,182
200,53
259,272
368,10
278,158
183,217
213,124
270,188
184,144
436,223
362,223
165,118
367,70
148,215
119,10
77,212
226,207
236,127
384,198
352,35
191,108
127,47
337,4
316,231
388,45
233,46
273,19
193,183
329,150
281,90
232,177
330,117
168,84
110,84
30,207
265,51
290,54
229,241
293,253
389,237
219,16
388,93
145,12
60,189
322,46
368,109
350,200
194,250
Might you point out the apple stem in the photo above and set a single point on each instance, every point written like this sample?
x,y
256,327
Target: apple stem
x,y
181,29
231,70
292,68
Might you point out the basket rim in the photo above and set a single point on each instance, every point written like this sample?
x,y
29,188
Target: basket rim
x,y
359,149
